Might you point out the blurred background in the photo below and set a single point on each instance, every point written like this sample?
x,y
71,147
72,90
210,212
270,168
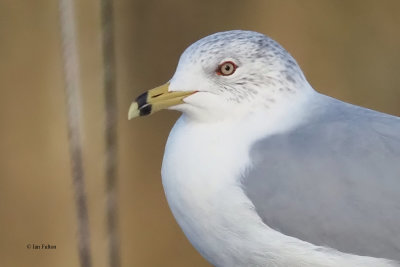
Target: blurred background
x,y
347,49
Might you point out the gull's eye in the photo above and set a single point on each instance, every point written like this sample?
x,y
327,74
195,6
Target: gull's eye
x,y
226,68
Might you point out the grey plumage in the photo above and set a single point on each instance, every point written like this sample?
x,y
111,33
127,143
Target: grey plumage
x,y
332,181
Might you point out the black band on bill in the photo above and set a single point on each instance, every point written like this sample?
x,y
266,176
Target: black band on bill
x,y
142,100
146,110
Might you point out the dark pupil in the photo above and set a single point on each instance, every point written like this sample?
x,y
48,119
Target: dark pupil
x,y
227,67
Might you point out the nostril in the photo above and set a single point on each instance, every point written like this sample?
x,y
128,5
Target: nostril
x,y
154,96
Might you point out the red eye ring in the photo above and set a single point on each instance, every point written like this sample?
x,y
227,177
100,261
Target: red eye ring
x,y
226,68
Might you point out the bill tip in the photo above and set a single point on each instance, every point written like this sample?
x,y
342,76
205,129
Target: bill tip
x,y
133,111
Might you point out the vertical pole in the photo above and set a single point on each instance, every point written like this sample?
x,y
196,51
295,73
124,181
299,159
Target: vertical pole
x,y
110,131
74,114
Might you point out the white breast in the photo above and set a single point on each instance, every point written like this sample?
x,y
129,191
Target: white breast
x,y
201,169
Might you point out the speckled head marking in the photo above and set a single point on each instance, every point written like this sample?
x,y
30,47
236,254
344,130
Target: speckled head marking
x,y
250,48
264,72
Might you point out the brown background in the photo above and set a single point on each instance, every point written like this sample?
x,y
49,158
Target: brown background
x,y
347,49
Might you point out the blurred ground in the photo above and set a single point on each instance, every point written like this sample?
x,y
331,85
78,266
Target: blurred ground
x,y
347,49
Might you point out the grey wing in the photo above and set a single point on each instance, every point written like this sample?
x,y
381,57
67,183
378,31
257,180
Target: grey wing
x,y
334,181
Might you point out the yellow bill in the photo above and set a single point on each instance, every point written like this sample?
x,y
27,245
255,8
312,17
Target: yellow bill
x,y
156,99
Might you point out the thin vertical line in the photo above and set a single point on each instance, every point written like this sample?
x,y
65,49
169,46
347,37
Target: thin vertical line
x,y
74,115
110,98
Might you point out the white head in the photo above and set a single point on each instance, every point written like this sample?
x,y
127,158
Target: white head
x,y
234,73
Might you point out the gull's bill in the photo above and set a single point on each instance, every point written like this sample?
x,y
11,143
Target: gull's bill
x,y
156,99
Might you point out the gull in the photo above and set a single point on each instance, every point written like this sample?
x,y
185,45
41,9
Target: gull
x,y
262,170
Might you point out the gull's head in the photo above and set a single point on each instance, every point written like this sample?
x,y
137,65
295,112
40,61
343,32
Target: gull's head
x,y
228,74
